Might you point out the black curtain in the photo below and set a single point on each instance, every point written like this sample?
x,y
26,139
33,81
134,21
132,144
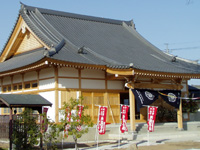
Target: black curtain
x,y
147,97
144,97
171,97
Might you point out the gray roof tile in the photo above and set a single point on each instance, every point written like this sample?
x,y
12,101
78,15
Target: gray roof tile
x,y
113,43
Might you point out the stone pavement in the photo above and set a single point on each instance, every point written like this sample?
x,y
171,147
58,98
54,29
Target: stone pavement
x,y
133,144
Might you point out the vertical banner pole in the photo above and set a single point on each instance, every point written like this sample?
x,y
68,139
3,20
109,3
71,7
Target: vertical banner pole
x,y
119,127
147,126
97,133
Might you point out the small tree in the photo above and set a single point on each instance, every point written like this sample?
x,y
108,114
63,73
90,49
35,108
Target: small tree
x,y
51,136
72,126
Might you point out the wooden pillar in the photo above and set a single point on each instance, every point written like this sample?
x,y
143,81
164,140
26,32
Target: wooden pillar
x,y
56,96
180,116
132,110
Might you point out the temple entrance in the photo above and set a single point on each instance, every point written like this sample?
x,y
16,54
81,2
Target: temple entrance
x,y
124,100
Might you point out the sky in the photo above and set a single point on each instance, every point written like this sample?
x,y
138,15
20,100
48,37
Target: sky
x,y
169,24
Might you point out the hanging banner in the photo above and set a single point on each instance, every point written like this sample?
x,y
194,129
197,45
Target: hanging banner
x,y
80,109
68,118
124,118
147,97
44,123
171,97
144,97
102,119
152,111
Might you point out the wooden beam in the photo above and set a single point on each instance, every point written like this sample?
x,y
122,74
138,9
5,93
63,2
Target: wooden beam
x,y
120,71
154,85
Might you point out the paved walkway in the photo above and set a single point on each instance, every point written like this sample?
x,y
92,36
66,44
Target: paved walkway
x,y
131,145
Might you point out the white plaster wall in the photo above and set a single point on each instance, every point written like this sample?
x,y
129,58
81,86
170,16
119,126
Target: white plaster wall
x,y
92,84
184,89
6,80
67,72
28,90
115,85
30,76
90,73
46,84
46,73
50,96
17,78
68,83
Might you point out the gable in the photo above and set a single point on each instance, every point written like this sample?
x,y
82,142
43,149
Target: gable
x,y
21,40
29,42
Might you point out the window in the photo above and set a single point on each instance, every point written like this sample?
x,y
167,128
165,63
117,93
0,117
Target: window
x,y
18,86
6,110
4,88
34,85
27,85
15,87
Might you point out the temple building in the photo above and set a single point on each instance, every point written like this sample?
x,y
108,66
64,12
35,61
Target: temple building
x,y
60,55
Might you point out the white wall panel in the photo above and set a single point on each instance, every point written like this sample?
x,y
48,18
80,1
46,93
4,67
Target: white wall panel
x,y
46,73
50,96
17,78
6,80
30,76
92,84
184,89
46,84
115,85
67,72
68,83
90,73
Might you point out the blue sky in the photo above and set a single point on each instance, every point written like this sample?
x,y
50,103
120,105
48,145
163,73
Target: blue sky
x,y
175,22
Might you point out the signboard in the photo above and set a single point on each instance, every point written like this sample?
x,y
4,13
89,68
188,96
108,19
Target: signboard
x,y
102,119
124,118
151,118
44,123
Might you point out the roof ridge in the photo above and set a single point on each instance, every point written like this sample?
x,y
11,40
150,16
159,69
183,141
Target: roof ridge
x,y
77,16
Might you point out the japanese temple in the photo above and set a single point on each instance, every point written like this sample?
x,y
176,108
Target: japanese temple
x,y
60,55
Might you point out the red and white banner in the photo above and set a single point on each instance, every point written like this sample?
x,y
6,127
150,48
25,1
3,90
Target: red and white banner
x,y
80,108
68,118
44,123
151,118
124,118
102,119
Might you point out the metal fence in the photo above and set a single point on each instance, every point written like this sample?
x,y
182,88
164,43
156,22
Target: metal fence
x,y
4,126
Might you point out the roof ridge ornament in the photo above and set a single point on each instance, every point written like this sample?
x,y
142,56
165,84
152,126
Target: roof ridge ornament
x,y
81,50
174,59
54,49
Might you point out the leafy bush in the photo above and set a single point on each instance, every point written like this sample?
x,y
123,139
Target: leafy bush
x,y
164,114
190,106
25,130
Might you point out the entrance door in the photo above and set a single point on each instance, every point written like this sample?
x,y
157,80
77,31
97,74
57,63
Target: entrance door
x,y
124,99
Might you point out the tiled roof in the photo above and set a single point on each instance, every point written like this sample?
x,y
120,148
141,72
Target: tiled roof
x,y
98,41
23,100
22,59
